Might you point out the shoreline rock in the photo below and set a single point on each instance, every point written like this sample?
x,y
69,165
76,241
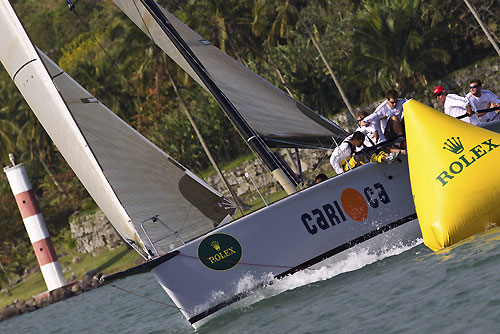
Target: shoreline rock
x,y
89,282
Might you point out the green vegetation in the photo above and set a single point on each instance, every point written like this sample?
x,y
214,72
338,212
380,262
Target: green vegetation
x,y
372,45
107,262
33,285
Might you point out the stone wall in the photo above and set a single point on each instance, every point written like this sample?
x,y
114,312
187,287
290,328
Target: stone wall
x,y
243,186
458,82
486,71
92,231
312,162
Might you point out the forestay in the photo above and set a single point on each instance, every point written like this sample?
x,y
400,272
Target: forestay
x,y
274,115
129,178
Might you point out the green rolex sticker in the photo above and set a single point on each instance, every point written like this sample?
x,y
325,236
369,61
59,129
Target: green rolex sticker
x,y
219,251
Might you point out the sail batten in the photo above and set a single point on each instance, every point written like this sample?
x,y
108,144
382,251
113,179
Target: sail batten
x,y
140,188
268,110
147,181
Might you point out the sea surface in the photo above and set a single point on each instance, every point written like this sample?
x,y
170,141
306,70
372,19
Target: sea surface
x,y
404,290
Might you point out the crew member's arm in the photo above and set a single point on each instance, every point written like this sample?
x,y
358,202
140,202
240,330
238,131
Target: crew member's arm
x,y
340,153
374,116
492,105
469,110
480,114
335,162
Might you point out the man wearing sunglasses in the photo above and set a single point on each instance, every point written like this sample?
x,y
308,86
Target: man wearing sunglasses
x,y
480,99
455,105
390,115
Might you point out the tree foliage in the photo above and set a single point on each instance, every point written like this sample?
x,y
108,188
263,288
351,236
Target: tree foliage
x,y
394,49
371,45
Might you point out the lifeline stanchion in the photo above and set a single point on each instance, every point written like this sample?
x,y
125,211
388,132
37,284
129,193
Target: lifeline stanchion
x,y
263,200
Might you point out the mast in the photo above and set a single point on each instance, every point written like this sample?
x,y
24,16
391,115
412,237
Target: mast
x,y
253,140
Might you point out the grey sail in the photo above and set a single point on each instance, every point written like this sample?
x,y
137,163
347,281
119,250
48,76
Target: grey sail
x,y
275,116
139,187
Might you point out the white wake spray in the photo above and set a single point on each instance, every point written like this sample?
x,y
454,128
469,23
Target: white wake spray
x,y
326,270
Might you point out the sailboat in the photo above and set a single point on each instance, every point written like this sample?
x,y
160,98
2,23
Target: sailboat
x,y
168,214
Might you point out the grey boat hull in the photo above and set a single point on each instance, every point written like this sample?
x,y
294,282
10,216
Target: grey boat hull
x,y
370,207
355,209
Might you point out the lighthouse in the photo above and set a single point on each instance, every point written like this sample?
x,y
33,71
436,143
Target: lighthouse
x,y
35,225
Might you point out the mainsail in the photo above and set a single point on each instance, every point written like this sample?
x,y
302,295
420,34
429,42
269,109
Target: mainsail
x,y
276,117
139,187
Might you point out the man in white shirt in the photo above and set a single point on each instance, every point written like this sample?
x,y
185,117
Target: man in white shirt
x,y
480,99
372,131
455,105
390,114
345,150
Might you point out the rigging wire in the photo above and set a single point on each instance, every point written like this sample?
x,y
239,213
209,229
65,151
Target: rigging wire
x,y
197,258
113,61
73,9
268,61
194,258
146,298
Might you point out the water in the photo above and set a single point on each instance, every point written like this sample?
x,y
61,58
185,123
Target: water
x,y
406,290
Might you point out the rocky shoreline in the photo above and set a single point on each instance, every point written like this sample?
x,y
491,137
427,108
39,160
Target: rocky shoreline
x,y
90,281
94,234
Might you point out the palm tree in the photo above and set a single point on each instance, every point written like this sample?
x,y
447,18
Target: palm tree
x,y
222,22
10,103
34,144
274,19
394,48
147,76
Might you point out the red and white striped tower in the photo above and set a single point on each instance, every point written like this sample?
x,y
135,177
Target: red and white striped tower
x,y
35,225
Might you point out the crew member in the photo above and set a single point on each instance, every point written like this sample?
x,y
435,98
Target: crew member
x,y
390,114
480,99
455,105
320,178
373,132
345,150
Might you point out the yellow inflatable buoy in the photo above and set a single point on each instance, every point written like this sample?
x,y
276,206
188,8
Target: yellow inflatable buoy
x,y
454,175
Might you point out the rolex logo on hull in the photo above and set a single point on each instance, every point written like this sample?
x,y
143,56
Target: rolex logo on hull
x,y
219,251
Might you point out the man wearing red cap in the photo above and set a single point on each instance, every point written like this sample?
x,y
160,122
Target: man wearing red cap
x,y
455,105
